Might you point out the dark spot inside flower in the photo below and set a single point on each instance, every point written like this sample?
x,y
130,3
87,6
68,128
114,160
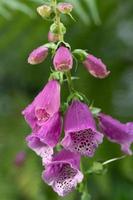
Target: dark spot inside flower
x,y
66,176
84,141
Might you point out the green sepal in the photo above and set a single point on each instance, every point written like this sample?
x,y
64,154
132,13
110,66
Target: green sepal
x,y
70,15
54,28
60,43
56,75
74,95
50,45
95,111
80,54
97,168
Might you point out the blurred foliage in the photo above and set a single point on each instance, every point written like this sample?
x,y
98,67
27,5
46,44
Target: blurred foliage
x,y
112,40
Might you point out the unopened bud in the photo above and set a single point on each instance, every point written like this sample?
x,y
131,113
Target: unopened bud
x,y
95,66
52,37
44,10
63,60
55,28
65,8
38,55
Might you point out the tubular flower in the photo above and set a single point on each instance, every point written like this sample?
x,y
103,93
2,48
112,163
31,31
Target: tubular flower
x,y
38,55
81,135
63,60
63,173
117,132
95,66
46,138
44,106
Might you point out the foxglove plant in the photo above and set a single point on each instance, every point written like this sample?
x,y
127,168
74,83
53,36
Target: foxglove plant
x,y
61,154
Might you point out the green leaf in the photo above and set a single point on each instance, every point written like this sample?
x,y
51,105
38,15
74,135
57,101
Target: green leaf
x,y
93,11
4,12
16,5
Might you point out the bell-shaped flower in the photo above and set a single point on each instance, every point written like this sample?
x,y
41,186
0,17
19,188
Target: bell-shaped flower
x,y
95,66
38,55
44,106
63,173
117,132
63,60
46,138
81,135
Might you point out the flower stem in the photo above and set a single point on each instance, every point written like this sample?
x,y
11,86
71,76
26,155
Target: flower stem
x,y
69,81
61,36
61,39
57,20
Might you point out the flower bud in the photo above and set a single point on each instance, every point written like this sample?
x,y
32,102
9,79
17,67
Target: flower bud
x,y
54,28
63,60
52,37
44,10
65,8
95,66
38,55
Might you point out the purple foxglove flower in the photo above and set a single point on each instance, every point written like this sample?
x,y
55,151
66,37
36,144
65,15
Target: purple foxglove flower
x,y
117,132
20,159
81,135
63,173
46,138
52,37
63,60
38,55
44,106
95,66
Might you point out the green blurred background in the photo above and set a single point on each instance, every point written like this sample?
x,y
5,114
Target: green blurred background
x,y
105,28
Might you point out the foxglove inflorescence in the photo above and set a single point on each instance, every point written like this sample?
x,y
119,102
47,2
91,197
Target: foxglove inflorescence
x,y
76,118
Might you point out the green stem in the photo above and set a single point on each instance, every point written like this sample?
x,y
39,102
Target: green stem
x,y
57,20
61,39
54,2
69,81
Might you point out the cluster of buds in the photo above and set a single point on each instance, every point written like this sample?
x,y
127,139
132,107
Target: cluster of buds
x,y
47,118
46,11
